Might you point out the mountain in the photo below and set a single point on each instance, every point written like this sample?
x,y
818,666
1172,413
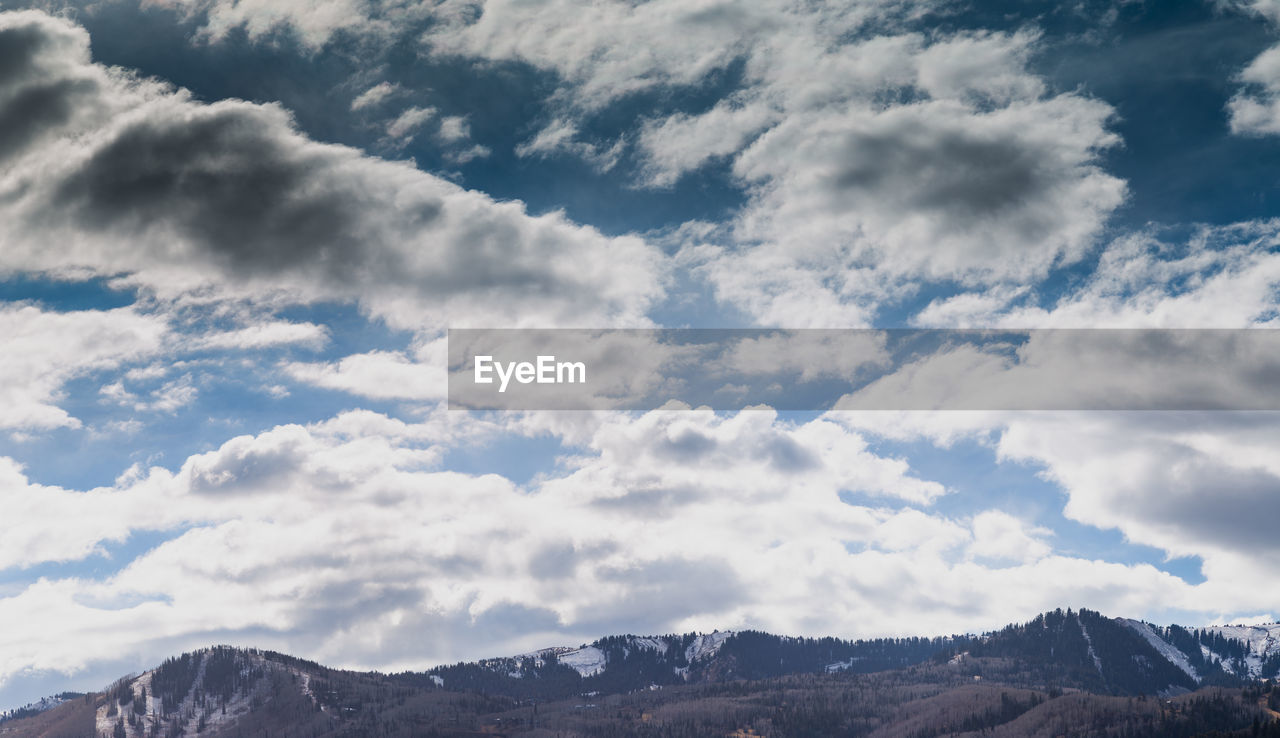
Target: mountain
x,y
1127,676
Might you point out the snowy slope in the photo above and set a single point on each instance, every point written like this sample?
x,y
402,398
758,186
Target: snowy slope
x,y
1263,641
1165,649
1097,662
707,645
651,644
41,705
587,661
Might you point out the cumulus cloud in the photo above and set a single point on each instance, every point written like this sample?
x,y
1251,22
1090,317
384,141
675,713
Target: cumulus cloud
x,y
1000,536
1255,110
156,190
1220,277
859,200
869,159
41,350
1188,483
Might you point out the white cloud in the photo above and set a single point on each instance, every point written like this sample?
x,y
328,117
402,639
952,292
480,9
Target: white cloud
x,y
374,95
1187,483
40,351
1000,536
1255,110
313,22
1220,277
454,128
376,374
263,334
403,127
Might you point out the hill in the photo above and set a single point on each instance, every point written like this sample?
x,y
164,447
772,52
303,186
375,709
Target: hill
x,y
1062,673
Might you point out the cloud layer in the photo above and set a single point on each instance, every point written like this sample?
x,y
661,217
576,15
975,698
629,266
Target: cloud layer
x,y
349,541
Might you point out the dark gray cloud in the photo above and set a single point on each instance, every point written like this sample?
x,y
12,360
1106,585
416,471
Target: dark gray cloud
x,y
657,594
39,92
787,455
687,446
24,43
229,179
966,176
180,194
655,503
1193,496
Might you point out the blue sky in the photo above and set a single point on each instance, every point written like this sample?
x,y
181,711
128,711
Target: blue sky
x,y
233,236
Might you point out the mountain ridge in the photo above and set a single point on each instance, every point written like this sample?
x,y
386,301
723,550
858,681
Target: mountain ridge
x,y
226,691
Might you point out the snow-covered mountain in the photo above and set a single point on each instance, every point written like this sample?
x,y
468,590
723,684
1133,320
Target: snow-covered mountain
x,y
1213,653
1263,641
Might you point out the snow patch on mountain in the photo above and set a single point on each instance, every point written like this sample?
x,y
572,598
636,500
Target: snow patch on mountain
x,y
40,705
587,661
1097,663
706,645
190,715
1163,647
1262,640
841,665
661,645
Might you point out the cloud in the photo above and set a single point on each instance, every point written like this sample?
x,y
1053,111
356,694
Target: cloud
x,y
1255,109
852,202
183,198
872,156
870,159
374,95
1197,484
167,398
402,128
1000,536
312,23
1218,277
1188,483
263,334
454,128
346,541
40,351
934,189
376,374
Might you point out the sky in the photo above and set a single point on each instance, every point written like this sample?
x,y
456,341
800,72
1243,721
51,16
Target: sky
x,y
234,234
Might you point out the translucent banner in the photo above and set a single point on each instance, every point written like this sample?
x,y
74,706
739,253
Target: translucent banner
x,y
898,369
